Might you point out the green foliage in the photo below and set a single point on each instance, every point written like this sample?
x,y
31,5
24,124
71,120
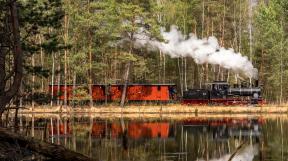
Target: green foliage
x,y
39,25
37,70
80,94
40,17
104,30
271,43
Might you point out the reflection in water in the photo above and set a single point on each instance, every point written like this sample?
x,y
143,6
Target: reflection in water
x,y
246,153
213,139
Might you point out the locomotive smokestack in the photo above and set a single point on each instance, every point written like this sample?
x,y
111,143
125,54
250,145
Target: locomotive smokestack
x,y
256,83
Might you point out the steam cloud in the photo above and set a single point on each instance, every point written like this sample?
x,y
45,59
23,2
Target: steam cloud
x,y
205,50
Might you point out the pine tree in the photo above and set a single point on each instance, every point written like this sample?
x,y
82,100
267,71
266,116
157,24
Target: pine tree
x,y
25,19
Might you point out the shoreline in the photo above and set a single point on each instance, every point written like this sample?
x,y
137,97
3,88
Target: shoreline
x,y
153,117
164,109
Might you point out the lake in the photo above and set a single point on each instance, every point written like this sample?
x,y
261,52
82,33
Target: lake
x,y
175,138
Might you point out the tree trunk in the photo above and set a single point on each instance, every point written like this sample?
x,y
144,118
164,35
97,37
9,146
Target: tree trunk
x,y
6,96
107,90
59,77
180,76
206,73
203,17
126,78
2,73
228,76
201,76
240,27
66,25
185,74
164,68
42,63
52,79
184,59
261,71
90,75
281,66
219,73
195,76
223,24
33,82
159,66
250,30
234,44
74,88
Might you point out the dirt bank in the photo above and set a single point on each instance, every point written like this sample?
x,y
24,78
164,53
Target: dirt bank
x,y
165,109
153,116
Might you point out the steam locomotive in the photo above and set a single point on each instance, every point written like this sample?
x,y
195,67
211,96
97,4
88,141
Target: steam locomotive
x,y
220,93
217,93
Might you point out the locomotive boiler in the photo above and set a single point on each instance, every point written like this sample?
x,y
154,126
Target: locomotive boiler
x,y
220,93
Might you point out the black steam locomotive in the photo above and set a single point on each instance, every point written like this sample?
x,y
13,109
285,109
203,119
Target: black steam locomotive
x,y
220,93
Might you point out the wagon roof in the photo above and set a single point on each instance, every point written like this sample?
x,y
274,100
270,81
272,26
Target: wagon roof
x,y
131,84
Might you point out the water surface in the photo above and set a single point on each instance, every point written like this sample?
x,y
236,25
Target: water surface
x,y
247,138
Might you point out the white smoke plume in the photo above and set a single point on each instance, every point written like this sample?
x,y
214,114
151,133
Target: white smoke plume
x,y
205,50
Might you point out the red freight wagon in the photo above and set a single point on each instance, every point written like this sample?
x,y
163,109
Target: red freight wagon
x,y
141,92
98,92
135,92
148,92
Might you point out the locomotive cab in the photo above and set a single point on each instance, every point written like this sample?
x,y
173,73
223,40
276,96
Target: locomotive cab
x,y
219,89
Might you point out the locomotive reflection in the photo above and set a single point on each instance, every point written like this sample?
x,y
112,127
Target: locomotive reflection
x,y
225,128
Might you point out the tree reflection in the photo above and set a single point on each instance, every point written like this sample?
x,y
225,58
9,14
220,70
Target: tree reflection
x,y
190,139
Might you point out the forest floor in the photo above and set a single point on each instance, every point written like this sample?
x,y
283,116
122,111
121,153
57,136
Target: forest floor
x,y
160,109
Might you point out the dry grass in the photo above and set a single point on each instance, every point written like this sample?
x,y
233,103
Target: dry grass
x,y
155,116
164,109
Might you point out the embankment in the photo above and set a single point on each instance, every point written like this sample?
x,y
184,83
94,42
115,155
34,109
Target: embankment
x,y
165,109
